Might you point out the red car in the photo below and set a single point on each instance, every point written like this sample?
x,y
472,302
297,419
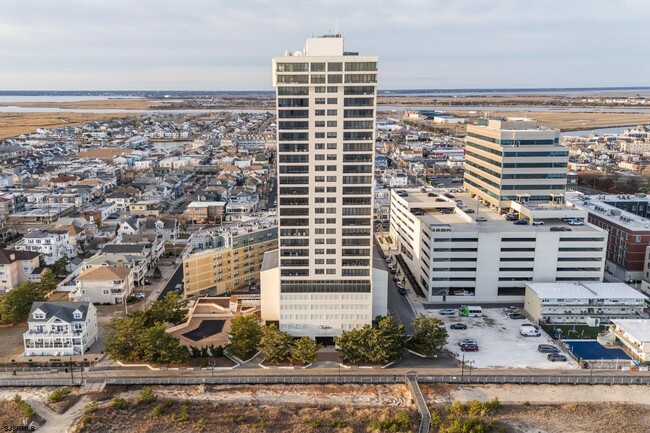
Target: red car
x,y
469,347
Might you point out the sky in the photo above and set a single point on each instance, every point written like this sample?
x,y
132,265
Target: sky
x,y
229,44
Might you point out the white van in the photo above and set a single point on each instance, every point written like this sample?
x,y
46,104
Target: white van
x,y
529,331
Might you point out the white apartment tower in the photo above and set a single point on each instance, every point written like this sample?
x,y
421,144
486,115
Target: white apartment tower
x,y
515,159
320,281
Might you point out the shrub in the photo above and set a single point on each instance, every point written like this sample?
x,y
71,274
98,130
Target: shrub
x,y
339,424
240,420
59,394
526,403
184,412
25,408
203,363
200,421
91,407
317,423
400,422
118,403
147,396
259,424
436,419
158,410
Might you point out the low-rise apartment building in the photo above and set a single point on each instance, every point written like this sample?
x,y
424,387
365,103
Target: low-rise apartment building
x,y
16,267
60,329
634,336
233,263
462,251
591,303
205,211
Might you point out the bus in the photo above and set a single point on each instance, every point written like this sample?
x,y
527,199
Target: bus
x,y
470,311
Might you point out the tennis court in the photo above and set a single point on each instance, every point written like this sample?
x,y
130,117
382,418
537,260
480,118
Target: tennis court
x,y
591,350
206,329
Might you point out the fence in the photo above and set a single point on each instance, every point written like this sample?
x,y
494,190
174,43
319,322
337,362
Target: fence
x,y
348,379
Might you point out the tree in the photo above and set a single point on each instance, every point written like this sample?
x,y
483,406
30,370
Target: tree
x,y
123,337
387,341
430,335
60,267
245,336
48,281
139,338
159,347
171,309
17,303
353,344
275,344
381,345
303,350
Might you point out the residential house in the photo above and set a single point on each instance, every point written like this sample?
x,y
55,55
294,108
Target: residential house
x,y
166,227
104,285
52,244
60,329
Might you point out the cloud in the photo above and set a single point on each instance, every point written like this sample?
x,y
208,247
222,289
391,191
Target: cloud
x,y
125,44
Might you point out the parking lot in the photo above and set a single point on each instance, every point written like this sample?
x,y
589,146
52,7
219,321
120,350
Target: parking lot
x,y
499,342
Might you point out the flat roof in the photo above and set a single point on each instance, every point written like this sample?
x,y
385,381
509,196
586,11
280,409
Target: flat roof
x,y
459,220
585,290
599,208
202,204
638,328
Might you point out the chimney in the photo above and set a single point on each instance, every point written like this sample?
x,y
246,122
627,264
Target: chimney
x,y
12,257
120,263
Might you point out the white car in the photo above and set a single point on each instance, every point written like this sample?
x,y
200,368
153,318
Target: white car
x,y
537,223
576,223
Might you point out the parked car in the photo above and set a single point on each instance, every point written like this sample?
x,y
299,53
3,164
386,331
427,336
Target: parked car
x,y
457,326
576,223
547,348
511,217
469,210
393,270
521,223
538,223
467,341
556,357
178,288
147,282
480,218
447,311
469,348
557,229
401,290
517,316
432,194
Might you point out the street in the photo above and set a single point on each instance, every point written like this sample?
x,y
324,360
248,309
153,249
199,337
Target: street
x,y
398,305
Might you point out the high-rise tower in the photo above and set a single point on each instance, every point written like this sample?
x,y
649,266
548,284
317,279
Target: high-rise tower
x,y
326,102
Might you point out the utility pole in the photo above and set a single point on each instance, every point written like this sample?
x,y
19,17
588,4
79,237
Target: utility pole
x,y
71,372
462,369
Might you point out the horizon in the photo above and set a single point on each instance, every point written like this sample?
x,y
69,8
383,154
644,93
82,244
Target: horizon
x,y
7,92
